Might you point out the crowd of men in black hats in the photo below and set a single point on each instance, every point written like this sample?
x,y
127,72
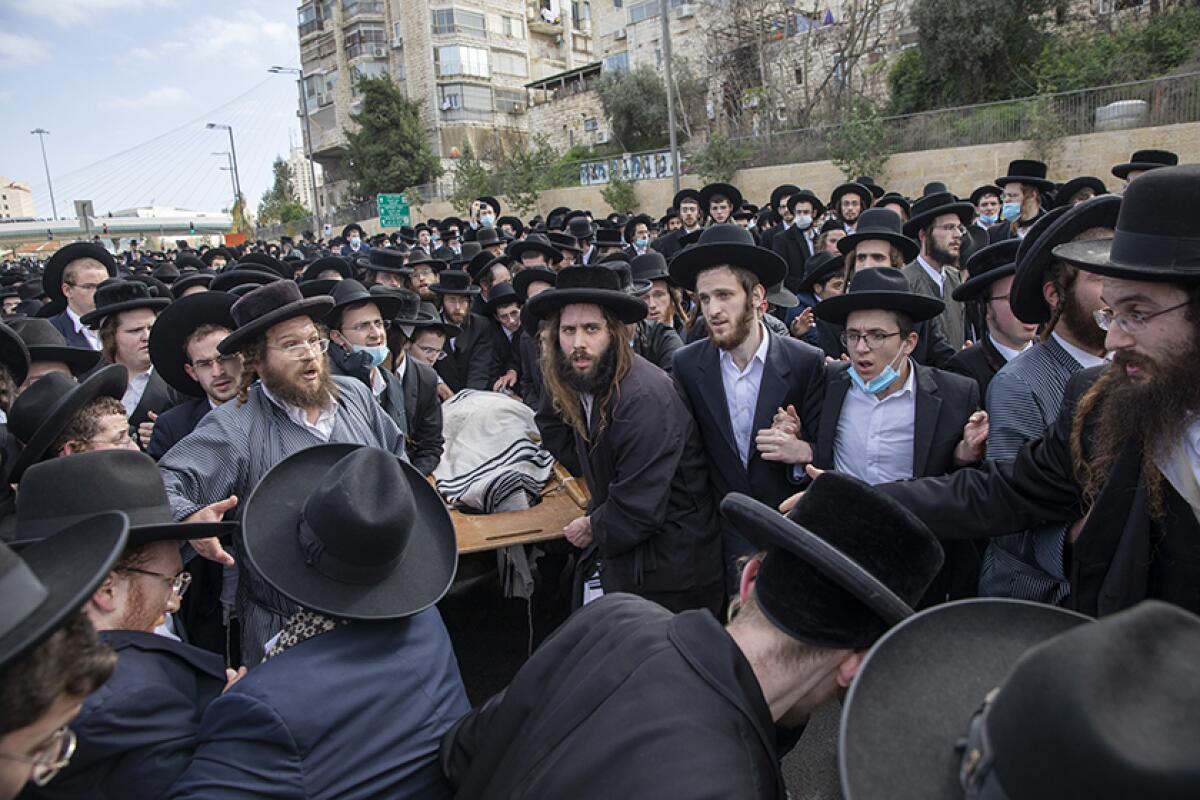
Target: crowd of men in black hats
x,y
936,457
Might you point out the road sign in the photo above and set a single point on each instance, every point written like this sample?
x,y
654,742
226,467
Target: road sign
x,y
393,211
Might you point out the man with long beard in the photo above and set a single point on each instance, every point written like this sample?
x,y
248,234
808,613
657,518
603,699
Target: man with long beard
x,y
651,524
1123,454
287,401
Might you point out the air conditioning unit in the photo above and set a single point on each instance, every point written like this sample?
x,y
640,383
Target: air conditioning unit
x,y
601,137
685,11
620,35
379,52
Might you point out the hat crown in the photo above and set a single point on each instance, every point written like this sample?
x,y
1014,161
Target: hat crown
x,y
386,257
588,278
117,290
349,291
265,299
101,480
879,220
993,257
930,201
428,309
580,228
38,332
1162,202
1164,157
487,235
454,280
651,265
34,405
1027,168
726,233
881,279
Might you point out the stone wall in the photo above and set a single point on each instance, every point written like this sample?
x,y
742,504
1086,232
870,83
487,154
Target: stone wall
x,y
561,119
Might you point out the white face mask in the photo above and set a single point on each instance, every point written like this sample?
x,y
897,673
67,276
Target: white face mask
x,y
354,241
803,221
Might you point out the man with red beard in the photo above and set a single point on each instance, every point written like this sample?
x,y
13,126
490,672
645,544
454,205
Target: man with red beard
x,y
651,526
1124,453
287,401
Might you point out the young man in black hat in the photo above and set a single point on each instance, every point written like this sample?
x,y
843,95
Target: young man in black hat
x,y
795,243
663,299
361,682
939,223
504,309
780,211
490,240
534,250
470,360
637,236
1142,161
385,266
423,272
849,201
1023,187
691,219
719,201
1077,190
651,523
627,700
287,401
530,283
354,246
735,379
422,403
482,214
1130,475
50,656
986,200
825,278
71,277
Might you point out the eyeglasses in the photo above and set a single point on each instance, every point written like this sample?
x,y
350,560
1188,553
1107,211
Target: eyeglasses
x,y
1129,323
50,757
874,339
436,353
301,350
87,287
951,227
179,583
209,363
371,325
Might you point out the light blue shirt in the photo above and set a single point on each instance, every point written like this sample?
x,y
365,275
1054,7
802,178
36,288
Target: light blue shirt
x,y
741,393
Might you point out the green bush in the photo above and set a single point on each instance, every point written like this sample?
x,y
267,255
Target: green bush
x,y
718,159
620,195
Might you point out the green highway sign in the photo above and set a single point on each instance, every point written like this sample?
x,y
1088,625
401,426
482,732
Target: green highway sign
x,y
393,210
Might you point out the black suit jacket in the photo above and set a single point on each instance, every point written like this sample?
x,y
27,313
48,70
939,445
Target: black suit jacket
x,y
66,327
793,375
795,250
979,362
470,360
423,410
158,397
176,423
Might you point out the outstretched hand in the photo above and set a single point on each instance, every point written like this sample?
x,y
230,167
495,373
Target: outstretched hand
x,y
790,503
211,547
973,446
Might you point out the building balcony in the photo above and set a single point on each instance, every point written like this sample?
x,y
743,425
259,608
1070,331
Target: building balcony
x,y
360,8
307,29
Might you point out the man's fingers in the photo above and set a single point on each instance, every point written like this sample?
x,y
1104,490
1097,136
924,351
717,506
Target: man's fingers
x,y
211,549
222,506
813,472
788,504
152,416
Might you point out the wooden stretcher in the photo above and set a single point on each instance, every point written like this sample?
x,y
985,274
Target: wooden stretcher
x,y
564,498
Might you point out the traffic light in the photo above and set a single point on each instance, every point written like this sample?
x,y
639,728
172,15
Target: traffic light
x,y
105,227
192,228
49,235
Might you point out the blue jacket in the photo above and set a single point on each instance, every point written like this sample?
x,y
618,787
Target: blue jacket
x,y
353,713
62,322
137,731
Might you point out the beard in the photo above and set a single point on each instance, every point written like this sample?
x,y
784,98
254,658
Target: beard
x,y
943,255
138,616
740,329
1082,323
287,384
595,380
458,317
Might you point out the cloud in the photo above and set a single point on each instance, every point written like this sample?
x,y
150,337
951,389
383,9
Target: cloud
x,y
17,50
71,12
163,96
250,33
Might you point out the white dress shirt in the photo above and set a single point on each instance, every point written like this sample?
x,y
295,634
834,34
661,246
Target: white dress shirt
x,y
1085,359
402,367
875,437
1007,352
741,393
134,391
1181,466
93,338
935,275
322,428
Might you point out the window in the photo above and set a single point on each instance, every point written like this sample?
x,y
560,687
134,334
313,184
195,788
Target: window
x,y
617,62
397,34
460,101
368,69
510,101
591,124
581,14
455,20
643,11
352,8
459,60
364,39
512,26
510,64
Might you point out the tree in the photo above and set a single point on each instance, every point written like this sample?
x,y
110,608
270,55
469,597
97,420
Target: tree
x,y
619,194
718,159
279,203
635,105
471,179
389,151
860,145
527,172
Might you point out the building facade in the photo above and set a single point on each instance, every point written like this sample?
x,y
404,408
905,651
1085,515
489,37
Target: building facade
x,y
304,185
16,200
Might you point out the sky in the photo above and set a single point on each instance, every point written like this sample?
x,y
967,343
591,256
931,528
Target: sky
x,y
125,88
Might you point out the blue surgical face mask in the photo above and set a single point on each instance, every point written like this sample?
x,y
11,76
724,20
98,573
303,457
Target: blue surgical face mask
x,y
378,354
486,220
1011,211
803,221
354,241
641,244
435,239
988,219
880,381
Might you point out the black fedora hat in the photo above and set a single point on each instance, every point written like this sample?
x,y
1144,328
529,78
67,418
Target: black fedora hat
x,y
408,306
269,305
1036,251
895,198
45,343
189,262
1145,160
914,694
168,337
428,317
482,260
650,266
931,206
563,242
262,260
453,281
609,237
42,412
557,217
1026,171
487,236
869,182
529,275
819,268
217,252
688,194
468,252
781,191
491,201
230,279
116,295
588,285
168,273
502,294
14,354
1155,238
535,243
617,263
864,194
385,259
727,190
353,226
327,264
580,228
732,245
1072,187
518,228
350,292
843,566
986,266
883,224
421,258
103,480
52,276
51,580
313,288
352,532
199,277
934,187
781,297
882,288
632,223
809,196
988,188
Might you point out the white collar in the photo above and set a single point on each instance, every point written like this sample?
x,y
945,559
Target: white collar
x,y
79,326
909,387
1082,357
760,354
938,276
402,367
1008,353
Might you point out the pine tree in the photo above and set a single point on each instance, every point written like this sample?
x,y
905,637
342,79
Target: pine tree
x,y
390,151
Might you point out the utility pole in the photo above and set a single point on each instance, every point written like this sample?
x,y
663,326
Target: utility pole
x,y
308,153
237,182
41,134
665,13
229,168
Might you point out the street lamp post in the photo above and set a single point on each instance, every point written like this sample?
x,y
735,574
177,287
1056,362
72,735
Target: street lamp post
x,y
229,161
665,12
41,134
308,153
237,182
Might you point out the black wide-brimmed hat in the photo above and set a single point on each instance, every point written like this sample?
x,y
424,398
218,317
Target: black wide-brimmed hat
x,y
242,276
1072,187
597,285
688,194
429,318
728,190
986,266
781,297
897,199
491,201
487,236
352,532
189,262
350,292
267,306
328,264
14,355
483,260
502,294
421,258
844,565
819,268
201,277
216,252
52,277
315,287
609,237
803,195
986,189
781,191
102,480
42,412
353,226
268,264
1028,172
168,337
876,190
116,295
914,695
883,288
454,281
1035,253
864,194
883,224
1145,160
408,306
564,242
517,226
580,228
535,243
1156,236
650,266
727,245
632,223
168,273
45,343
522,279
930,207
385,259
51,580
